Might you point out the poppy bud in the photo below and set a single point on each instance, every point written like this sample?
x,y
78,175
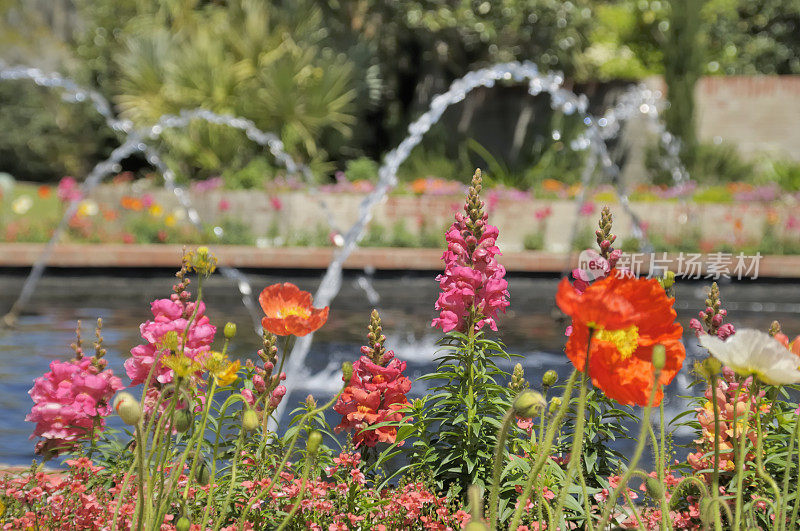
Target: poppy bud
x,y
182,420
710,367
183,524
528,403
230,330
653,487
659,357
127,408
555,403
550,378
347,371
250,420
202,475
314,440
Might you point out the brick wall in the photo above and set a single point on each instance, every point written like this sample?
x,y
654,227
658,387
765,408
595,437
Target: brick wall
x,y
759,114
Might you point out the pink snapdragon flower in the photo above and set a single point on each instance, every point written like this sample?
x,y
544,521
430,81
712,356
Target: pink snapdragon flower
x,y
472,279
71,401
711,319
169,315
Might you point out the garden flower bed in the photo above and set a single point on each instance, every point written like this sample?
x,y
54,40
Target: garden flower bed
x,y
483,449
683,218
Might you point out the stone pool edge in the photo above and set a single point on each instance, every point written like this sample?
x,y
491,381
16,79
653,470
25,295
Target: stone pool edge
x,y
70,255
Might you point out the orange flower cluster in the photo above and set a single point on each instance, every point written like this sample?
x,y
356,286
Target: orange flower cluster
x,y
131,203
376,391
733,399
289,311
626,317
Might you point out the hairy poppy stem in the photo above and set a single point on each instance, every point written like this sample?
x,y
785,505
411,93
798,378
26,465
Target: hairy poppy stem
x,y
742,449
760,450
576,453
715,473
789,462
266,490
508,418
544,451
623,483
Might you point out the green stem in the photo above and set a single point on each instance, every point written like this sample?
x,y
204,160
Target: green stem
x,y
715,473
665,525
741,445
629,501
306,470
789,462
217,437
508,418
200,438
760,450
225,504
122,492
266,490
544,450
623,484
575,453
141,502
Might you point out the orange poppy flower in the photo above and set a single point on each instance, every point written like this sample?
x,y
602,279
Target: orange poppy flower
x,y
289,311
629,317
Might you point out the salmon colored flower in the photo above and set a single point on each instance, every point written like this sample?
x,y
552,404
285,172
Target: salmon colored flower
x,y
628,316
289,311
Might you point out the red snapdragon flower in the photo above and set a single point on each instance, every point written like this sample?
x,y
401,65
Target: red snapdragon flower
x,y
376,392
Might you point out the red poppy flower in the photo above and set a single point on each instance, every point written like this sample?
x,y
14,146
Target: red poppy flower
x,y
629,317
289,311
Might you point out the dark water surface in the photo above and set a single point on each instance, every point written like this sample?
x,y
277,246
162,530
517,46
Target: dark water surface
x,y
531,328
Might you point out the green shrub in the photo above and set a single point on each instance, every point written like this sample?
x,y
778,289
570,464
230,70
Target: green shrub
x,y
713,194
361,169
534,241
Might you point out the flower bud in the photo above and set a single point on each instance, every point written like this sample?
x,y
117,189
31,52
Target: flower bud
x,y
347,372
659,357
182,420
555,403
711,365
528,403
183,524
310,402
127,408
230,330
550,378
250,420
203,474
314,440
653,488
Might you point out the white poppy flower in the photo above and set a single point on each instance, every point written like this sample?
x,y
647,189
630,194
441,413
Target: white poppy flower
x,y
754,352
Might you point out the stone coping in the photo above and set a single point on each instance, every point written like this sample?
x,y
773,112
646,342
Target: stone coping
x,y
389,259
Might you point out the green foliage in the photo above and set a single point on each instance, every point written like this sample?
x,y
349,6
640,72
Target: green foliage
x,y
711,164
534,241
238,58
254,175
747,37
361,169
606,423
459,420
683,66
784,173
42,138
